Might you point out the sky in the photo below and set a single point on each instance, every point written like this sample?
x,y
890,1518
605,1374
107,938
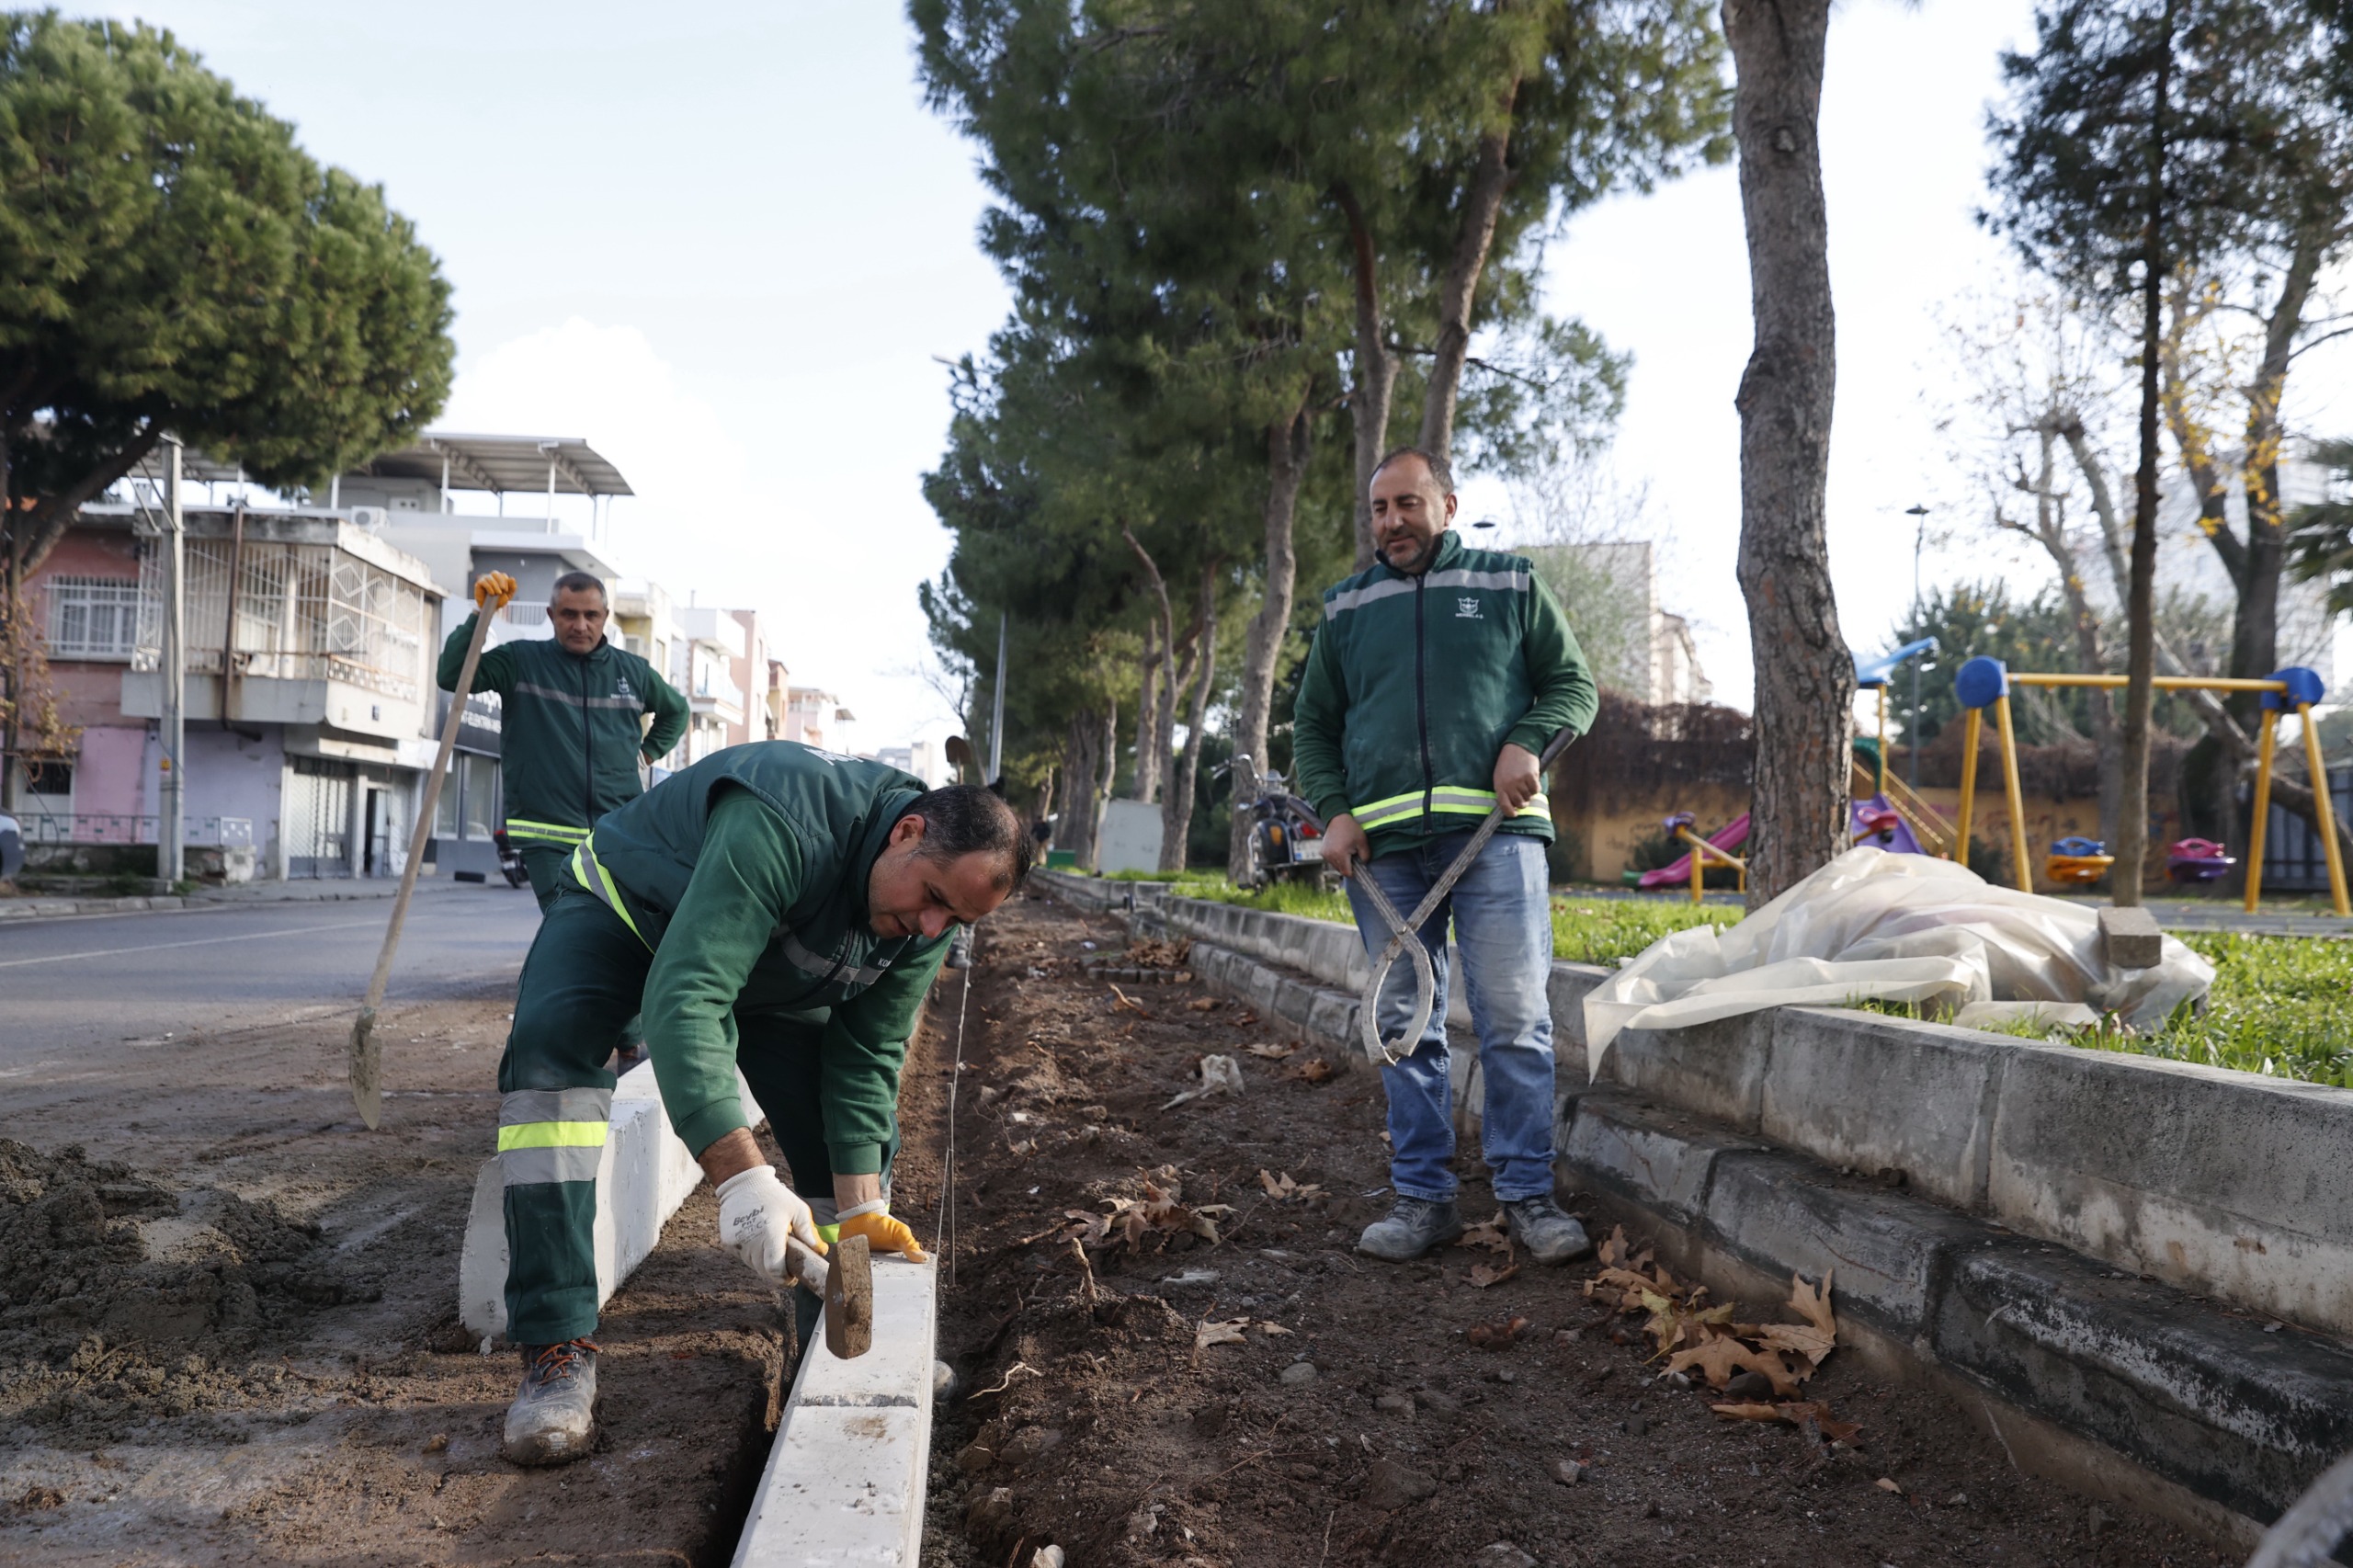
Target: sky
x,y
729,246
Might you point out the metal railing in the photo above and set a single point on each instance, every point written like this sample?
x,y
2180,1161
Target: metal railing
x,y
111,827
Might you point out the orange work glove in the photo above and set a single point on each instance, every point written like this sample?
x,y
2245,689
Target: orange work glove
x,y
882,1234
492,585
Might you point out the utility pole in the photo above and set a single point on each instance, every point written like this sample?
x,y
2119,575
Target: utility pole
x,y
172,794
1919,513
996,717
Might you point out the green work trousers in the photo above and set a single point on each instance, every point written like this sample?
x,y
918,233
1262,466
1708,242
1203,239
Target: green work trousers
x,y
545,863
583,982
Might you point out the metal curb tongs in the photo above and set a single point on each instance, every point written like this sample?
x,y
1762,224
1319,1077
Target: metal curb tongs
x,y
1404,934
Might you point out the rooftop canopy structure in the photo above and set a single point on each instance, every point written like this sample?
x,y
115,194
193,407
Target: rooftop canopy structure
x,y
555,465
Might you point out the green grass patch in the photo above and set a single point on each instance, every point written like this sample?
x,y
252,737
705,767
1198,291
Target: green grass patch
x,y
2281,1006
1586,930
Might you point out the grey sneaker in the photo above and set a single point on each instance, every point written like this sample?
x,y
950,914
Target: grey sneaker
x,y
552,1419
1550,1236
1413,1227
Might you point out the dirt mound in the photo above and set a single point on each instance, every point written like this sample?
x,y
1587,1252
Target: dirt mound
x,y
121,1296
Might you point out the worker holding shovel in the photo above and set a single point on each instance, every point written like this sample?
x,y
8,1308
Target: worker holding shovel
x,y
572,720
775,908
1436,680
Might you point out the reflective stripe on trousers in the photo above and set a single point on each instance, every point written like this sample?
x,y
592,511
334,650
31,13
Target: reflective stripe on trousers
x,y
552,1134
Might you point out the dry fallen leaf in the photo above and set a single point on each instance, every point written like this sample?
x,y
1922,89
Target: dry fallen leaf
x,y
1718,1359
1282,1189
1482,1276
1488,1233
1272,1328
1748,1411
1212,1332
1796,1339
1314,1072
1884,1484
1123,1003
1496,1335
1798,1414
1271,1052
1203,1004
1813,1305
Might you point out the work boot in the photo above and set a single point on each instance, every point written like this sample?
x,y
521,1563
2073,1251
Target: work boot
x,y
552,1419
1414,1226
1550,1236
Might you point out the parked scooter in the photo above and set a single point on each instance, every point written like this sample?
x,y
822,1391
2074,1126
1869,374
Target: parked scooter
x,y
510,859
1286,835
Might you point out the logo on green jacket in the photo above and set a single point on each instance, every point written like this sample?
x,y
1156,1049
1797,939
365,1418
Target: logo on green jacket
x,y
1467,608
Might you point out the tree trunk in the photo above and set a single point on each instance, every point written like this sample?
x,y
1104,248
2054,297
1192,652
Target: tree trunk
x,y
1075,818
1146,787
1482,204
1287,449
1805,675
1159,713
1184,769
1107,751
1375,372
2255,629
2141,662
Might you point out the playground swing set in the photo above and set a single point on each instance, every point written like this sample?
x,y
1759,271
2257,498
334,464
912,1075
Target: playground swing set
x,y
1886,813
1983,682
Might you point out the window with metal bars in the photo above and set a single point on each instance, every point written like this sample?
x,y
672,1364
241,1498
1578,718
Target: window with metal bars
x,y
92,618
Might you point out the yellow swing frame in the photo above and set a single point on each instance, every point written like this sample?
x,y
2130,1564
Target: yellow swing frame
x,y
1985,683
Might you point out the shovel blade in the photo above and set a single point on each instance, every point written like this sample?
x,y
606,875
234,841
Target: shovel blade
x,y
367,1070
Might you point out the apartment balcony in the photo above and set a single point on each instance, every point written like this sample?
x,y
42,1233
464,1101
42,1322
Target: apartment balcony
x,y
310,622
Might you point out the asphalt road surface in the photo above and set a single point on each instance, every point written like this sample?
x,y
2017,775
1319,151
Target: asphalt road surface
x,y
114,977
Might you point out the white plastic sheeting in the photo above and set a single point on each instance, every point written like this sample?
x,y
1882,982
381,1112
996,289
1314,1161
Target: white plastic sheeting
x,y
1896,927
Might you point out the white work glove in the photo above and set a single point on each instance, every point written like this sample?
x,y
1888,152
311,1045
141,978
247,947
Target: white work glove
x,y
756,1213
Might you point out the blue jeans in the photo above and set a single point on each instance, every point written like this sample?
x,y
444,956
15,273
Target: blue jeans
x,y
1502,911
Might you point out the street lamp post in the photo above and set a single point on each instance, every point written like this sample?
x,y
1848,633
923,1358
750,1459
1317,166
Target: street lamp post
x,y
1911,736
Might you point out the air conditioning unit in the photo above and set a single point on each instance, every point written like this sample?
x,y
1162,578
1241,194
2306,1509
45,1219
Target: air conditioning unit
x,y
373,518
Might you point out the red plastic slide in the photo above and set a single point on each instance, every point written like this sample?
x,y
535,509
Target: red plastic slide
x,y
1728,838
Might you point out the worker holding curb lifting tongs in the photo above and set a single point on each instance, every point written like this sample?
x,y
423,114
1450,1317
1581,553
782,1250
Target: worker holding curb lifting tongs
x,y
1437,679
775,908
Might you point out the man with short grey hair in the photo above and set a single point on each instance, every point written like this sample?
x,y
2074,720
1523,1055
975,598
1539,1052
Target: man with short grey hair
x,y
572,720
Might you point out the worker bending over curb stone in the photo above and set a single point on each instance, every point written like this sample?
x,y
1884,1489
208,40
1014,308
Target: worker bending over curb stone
x,y
773,907
1436,680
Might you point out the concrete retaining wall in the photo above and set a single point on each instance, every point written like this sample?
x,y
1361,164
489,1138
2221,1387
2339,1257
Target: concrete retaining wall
x,y
646,1174
845,1479
2094,1240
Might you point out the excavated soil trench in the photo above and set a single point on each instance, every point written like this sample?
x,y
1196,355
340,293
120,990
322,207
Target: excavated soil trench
x,y
1096,1420
227,1327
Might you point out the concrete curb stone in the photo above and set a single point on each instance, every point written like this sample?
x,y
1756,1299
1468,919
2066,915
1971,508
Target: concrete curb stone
x,y
845,1475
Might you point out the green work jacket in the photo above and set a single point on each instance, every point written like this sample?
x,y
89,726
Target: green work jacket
x,y
1416,683
747,875
569,730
